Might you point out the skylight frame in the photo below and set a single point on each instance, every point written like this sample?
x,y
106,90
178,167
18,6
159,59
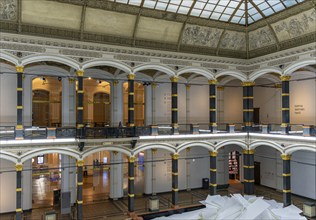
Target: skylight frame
x,y
218,10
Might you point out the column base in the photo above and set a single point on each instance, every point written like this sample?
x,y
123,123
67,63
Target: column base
x,y
175,206
175,130
285,129
213,129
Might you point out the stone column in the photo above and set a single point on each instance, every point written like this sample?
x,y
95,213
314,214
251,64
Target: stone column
x,y
116,175
130,120
285,126
117,103
249,173
154,91
79,189
148,105
80,125
18,209
213,170
19,104
175,189
286,179
248,105
187,105
212,105
131,177
68,102
148,172
174,105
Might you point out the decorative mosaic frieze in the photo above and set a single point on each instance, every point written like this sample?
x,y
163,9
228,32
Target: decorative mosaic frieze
x,y
233,40
248,68
176,62
260,38
8,10
201,36
296,25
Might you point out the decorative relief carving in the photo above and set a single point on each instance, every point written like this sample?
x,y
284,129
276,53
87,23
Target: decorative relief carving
x,y
201,36
283,61
233,40
8,10
22,47
176,62
260,38
80,53
131,58
214,66
296,26
248,68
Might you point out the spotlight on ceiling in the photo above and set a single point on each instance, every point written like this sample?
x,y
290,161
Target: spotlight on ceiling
x,y
43,78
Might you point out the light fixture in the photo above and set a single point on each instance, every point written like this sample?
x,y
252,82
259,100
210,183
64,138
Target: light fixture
x,y
43,78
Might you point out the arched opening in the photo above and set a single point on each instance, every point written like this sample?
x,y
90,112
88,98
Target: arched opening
x,y
96,102
139,104
46,101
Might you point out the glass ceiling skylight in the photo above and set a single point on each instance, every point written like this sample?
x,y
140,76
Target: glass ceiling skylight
x,y
223,10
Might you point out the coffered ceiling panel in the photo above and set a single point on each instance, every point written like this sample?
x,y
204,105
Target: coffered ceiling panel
x,y
112,23
159,30
52,14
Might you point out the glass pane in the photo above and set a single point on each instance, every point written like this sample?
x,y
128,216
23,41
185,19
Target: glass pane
x,y
196,12
135,2
210,7
172,8
183,10
206,14
199,5
149,4
161,6
219,9
224,17
268,12
215,15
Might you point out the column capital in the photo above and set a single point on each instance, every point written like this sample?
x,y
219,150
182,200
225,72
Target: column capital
x,y
220,88
131,159
212,81
115,82
174,79
248,151
213,153
80,163
248,83
278,85
153,85
80,72
131,76
154,150
175,156
18,167
286,156
19,69
285,78
187,86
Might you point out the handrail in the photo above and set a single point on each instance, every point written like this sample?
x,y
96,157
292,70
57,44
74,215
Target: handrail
x,y
35,132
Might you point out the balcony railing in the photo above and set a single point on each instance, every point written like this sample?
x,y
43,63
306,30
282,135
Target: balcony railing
x,y
32,132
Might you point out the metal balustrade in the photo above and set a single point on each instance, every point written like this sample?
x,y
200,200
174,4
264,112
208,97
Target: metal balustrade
x,y
32,132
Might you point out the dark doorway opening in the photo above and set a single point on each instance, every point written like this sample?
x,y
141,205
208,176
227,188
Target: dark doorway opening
x,y
257,173
256,115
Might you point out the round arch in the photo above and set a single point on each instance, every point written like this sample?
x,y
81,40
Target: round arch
x,y
158,67
296,147
9,156
118,148
46,70
253,76
9,57
144,147
204,144
104,62
47,57
69,152
274,145
198,70
297,65
221,144
237,74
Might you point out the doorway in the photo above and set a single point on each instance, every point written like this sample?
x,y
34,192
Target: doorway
x,y
257,173
256,115
233,165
